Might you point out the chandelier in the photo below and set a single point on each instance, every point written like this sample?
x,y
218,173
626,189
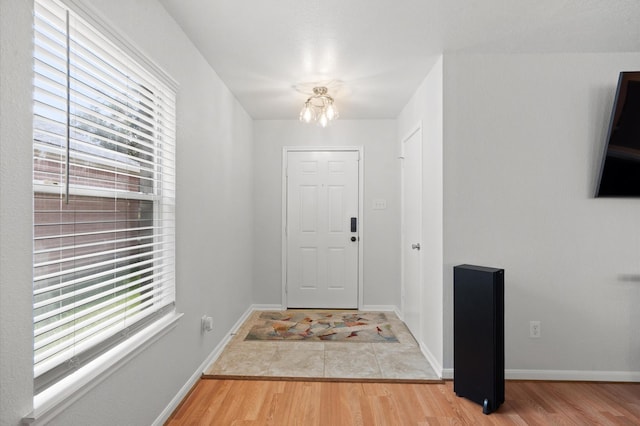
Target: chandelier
x,y
319,108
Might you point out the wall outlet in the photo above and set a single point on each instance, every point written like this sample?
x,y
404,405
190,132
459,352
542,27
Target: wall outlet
x,y
206,324
534,329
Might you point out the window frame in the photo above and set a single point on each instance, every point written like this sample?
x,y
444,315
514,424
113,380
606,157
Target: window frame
x,y
70,387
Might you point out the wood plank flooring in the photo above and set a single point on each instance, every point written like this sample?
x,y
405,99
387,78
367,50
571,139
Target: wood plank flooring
x,y
281,403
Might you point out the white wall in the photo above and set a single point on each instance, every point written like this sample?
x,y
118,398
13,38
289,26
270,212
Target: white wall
x,y
214,206
425,109
16,346
381,179
523,139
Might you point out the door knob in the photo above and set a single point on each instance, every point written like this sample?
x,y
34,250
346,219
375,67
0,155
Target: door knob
x,y
415,246
353,238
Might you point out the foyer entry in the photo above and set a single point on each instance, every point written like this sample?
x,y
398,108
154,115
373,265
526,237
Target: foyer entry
x,y
401,361
321,228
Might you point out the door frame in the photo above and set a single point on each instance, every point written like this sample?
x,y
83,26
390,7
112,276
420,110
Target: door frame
x,y
417,129
285,154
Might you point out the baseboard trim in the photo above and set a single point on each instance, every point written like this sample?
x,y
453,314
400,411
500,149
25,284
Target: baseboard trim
x,y
563,375
215,353
573,375
177,399
379,308
447,373
437,367
267,308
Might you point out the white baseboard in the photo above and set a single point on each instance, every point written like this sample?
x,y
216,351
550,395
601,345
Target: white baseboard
x,y
398,313
266,308
437,367
379,308
573,375
367,308
217,351
564,375
447,373
182,393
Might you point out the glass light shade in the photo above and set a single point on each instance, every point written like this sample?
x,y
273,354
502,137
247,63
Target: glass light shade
x,y
330,112
319,108
306,114
323,120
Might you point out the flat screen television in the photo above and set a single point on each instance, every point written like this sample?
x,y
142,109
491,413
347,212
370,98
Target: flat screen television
x,y
620,169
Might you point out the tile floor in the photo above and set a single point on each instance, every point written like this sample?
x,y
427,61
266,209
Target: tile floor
x,y
401,361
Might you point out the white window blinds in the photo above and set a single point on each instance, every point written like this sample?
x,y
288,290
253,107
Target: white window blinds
x,y
104,193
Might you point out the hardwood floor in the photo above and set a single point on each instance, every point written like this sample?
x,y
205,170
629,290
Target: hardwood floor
x,y
254,402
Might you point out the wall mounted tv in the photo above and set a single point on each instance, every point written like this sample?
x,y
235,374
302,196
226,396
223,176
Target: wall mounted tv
x,y
620,170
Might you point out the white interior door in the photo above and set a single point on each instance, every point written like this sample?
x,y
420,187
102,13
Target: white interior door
x,y
322,243
412,232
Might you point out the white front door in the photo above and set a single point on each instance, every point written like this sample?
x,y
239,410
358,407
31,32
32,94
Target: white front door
x,y
412,232
322,228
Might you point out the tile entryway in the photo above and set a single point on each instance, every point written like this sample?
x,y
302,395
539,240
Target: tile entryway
x,y
401,361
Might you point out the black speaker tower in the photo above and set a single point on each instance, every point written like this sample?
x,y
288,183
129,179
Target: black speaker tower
x,y
478,335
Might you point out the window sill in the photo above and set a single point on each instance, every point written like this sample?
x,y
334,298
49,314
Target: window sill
x,y
50,402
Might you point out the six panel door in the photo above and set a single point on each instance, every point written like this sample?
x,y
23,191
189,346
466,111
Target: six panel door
x,y
322,242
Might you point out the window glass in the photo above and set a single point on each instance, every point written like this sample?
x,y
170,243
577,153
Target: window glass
x,y
104,194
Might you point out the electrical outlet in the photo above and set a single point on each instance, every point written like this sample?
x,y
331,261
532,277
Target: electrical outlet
x,y
534,329
206,323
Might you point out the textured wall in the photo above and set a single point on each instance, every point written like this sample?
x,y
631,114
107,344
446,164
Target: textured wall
x,y
214,204
425,109
16,65
381,181
524,135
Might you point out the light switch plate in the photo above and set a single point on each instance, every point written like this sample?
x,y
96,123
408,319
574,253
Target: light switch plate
x,y
379,204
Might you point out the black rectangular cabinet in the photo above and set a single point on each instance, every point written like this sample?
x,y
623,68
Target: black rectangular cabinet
x,y
478,335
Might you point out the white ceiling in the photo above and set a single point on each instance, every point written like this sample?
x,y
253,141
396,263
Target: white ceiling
x,y
373,54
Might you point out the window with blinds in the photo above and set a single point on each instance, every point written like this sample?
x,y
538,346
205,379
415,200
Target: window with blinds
x,y
104,193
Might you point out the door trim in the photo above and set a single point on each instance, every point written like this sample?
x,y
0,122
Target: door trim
x,y
361,221
417,129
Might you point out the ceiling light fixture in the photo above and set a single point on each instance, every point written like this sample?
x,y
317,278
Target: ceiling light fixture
x,y
319,108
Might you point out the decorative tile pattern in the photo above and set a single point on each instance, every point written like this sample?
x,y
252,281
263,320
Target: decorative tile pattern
x,y
320,359
322,326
